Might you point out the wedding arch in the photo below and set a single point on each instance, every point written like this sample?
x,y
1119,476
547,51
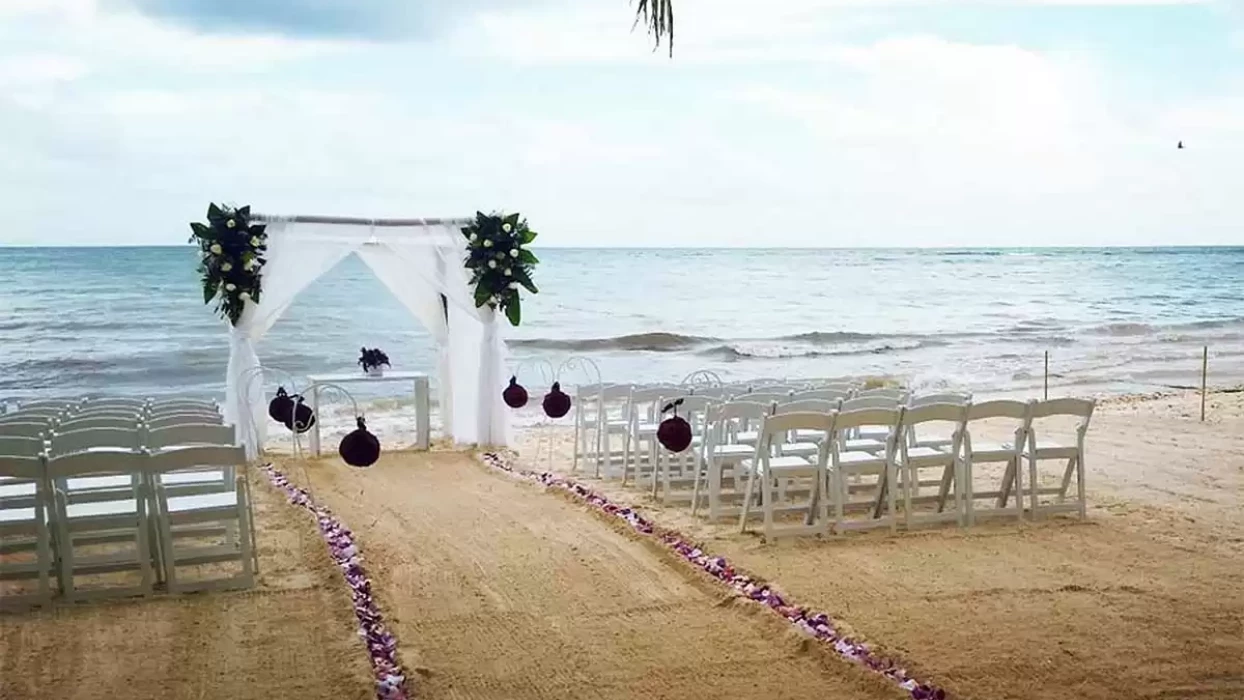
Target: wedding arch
x,y
421,261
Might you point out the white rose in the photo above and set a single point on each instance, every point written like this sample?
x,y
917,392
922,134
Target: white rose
x,y
508,272
255,241
231,223
513,285
495,299
487,244
514,252
249,264
244,295
492,264
230,287
506,227
226,267
215,248
474,238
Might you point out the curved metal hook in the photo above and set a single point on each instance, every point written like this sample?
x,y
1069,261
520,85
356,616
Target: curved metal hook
x,y
702,377
247,390
547,373
582,364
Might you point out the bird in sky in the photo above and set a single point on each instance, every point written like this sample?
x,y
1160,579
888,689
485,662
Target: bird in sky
x,y
1181,145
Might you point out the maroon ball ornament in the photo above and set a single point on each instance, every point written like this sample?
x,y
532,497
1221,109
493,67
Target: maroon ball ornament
x,y
515,396
360,448
281,406
556,402
674,433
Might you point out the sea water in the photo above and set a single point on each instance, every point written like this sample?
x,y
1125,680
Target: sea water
x,y
132,320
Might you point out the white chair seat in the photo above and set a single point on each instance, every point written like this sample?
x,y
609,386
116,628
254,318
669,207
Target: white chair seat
x,y
864,445
786,463
1054,450
92,510
985,451
747,436
809,436
859,458
17,515
801,449
918,452
733,450
183,504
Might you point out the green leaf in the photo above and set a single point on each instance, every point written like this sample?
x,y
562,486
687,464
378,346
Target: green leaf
x,y
481,295
520,276
209,290
527,257
512,220
214,212
244,212
514,311
528,236
198,228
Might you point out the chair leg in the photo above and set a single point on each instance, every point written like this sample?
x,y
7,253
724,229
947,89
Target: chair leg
x,y
245,543
1032,485
747,499
43,554
1080,495
695,488
65,537
891,475
769,494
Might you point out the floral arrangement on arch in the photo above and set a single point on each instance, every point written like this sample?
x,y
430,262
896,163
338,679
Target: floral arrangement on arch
x,y
499,262
232,251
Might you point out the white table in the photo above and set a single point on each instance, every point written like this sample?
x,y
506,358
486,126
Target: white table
x,y
422,409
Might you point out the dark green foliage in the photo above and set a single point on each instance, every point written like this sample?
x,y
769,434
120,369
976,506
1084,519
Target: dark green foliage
x,y
658,17
232,251
496,259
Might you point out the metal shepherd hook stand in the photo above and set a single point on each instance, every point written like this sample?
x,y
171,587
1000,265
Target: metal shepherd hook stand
x,y
547,376
591,371
253,381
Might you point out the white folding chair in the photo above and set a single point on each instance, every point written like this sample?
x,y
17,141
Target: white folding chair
x,y
612,404
912,459
93,516
77,423
21,446
229,507
181,436
720,393
768,469
34,415
113,402
954,398
639,442
721,452
24,530
1044,449
868,438
806,443
846,465
85,439
1018,415
749,437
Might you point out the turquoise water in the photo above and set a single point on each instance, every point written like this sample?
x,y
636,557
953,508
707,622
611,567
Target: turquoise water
x,y
132,320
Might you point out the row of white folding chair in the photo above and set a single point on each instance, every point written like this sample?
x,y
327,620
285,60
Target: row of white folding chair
x,y
123,515
902,463
592,417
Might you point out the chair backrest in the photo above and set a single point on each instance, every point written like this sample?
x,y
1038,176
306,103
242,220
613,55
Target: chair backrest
x,y
115,402
81,440
24,429
716,392
196,457
88,463
48,404
1081,408
32,414
76,423
863,403
101,413
205,434
839,386
885,391
805,406
834,395
1001,408
936,413
764,398
775,427
780,389
23,467
162,404
949,397
21,446
856,418
157,422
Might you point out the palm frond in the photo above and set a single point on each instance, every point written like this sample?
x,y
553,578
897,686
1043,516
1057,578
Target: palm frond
x,y
658,17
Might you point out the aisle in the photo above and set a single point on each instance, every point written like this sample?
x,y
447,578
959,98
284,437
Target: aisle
x,y
496,590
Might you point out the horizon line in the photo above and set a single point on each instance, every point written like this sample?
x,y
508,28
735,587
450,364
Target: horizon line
x,y
1108,246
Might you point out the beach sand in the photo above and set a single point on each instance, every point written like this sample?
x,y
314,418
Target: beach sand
x,y
497,590
1144,600
293,636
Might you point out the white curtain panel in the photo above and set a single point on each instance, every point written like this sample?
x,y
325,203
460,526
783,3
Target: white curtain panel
x,y
418,264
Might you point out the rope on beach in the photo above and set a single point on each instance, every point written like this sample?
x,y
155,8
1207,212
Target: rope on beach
x,y
381,644
816,624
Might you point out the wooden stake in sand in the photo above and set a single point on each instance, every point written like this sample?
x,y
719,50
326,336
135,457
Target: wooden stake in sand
x,y
1204,373
1047,375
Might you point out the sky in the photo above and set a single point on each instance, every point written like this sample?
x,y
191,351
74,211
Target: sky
x,y
793,123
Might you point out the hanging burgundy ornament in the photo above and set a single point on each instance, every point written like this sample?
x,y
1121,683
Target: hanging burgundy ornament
x,y
556,402
301,418
674,433
281,406
515,395
359,448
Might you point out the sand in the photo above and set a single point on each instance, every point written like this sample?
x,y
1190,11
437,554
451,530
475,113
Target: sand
x,y
294,635
1144,600
498,590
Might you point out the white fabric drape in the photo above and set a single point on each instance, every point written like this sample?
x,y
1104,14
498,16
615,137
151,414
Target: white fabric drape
x,y
418,264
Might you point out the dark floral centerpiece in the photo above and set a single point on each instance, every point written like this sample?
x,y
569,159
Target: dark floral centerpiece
x,y
374,361
499,261
231,253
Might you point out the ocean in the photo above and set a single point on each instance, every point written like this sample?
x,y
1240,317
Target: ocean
x,y
132,321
